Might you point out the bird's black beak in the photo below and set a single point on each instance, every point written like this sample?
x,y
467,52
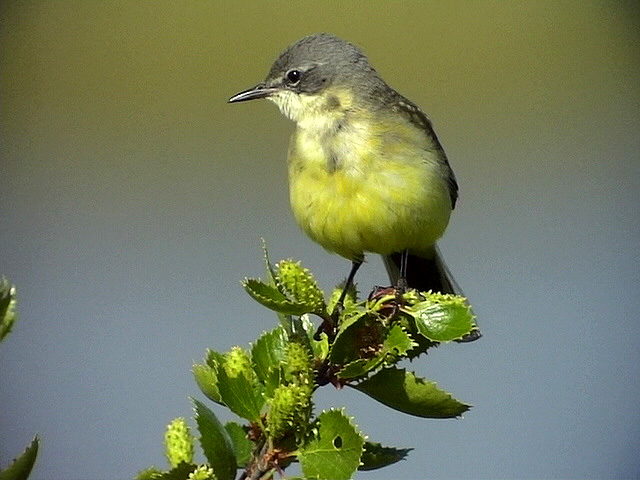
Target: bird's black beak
x,y
259,91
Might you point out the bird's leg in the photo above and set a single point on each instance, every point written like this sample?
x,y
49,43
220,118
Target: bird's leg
x,y
401,285
330,324
355,265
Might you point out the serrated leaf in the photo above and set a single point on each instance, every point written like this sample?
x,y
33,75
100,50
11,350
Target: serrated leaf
x,y
403,391
284,318
214,359
297,328
335,450
349,318
7,307
271,271
301,285
350,299
241,393
264,293
398,341
442,318
319,348
273,381
270,297
376,456
215,442
360,368
21,466
355,330
207,379
242,446
151,473
206,375
180,472
422,344
268,352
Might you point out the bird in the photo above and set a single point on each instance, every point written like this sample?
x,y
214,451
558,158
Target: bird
x,y
367,173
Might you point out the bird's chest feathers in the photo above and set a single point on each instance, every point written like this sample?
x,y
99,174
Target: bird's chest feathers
x,y
350,164
339,150
351,186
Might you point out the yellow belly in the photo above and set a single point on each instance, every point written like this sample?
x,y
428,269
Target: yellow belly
x,y
369,203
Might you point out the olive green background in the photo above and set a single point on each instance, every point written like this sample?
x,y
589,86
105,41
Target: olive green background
x,y
133,198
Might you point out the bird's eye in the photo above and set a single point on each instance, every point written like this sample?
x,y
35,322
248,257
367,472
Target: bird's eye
x,y
293,76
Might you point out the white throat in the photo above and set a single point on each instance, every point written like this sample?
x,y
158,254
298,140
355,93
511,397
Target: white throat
x,y
310,112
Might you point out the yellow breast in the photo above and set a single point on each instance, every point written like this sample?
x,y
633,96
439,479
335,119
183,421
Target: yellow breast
x,y
368,187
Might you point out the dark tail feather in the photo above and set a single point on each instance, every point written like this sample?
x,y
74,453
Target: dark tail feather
x,y
425,274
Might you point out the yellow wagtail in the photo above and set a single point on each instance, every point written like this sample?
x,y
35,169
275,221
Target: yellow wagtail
x,y
366,170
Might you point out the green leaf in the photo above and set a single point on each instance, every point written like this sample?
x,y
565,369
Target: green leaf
x,y
270,297
422,344
398,341
403,391
442,318
214,359
151,473
7,307
376,456
271,271
358,334
206,375
350,299
238,385
180,472
242,446
301,286
268,352
360,368
335,450
207,379
284,318
21,466
215,442
273,381
319,348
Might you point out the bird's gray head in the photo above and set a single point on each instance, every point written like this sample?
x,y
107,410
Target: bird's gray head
x,y
309,67
316,62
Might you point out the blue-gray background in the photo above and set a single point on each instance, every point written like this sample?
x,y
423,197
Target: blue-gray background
x,y
132,200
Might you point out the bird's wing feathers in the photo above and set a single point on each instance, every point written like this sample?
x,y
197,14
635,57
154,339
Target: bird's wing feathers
x,y
415,115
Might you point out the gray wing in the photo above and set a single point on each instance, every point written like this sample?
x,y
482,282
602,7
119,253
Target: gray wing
x,y
416,116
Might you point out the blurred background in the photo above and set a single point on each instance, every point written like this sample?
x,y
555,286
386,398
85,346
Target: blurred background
x,y
133,199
